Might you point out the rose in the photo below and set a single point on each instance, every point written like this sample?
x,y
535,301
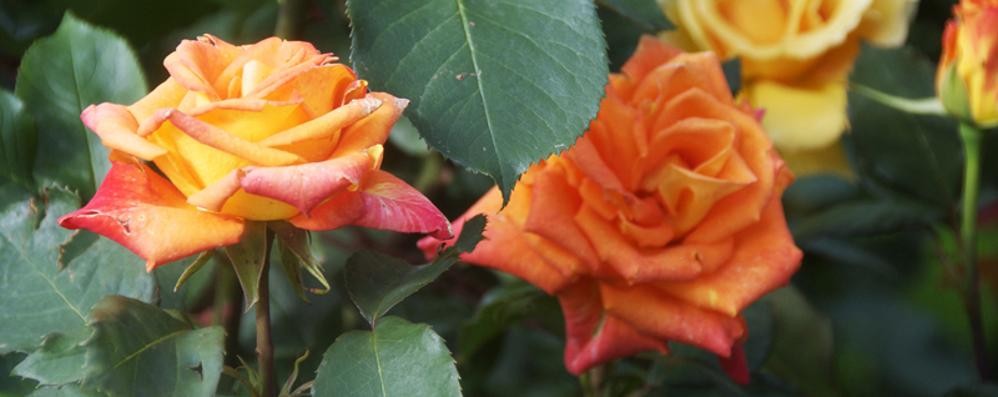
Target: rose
x,y
269,131
967,78
795,57
663,221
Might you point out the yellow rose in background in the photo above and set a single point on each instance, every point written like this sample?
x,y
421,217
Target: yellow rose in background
x,y
796,56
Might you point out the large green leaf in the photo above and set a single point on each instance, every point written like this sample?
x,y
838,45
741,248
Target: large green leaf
x,y
50,277
60,76
59,361
495,85
398,358
139,349
377,282
918,156
17,140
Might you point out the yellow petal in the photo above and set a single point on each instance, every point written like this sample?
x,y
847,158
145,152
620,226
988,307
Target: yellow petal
x,y
800,118
886,22
825,160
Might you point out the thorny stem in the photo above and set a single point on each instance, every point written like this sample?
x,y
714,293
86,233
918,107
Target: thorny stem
x,y
971,137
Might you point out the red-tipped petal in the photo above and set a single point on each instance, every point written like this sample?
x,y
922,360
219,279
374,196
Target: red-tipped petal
x,y
593,336
385,202
736,366
116,127
143,212
305,186
489,204
391,204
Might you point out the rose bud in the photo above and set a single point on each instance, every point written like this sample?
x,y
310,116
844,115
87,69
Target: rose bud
x,y
660,224
270,131
967,78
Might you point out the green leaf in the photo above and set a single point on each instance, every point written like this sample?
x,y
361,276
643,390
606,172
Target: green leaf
x,y
17,140
296,254
39,299
139,348
60,76
64,391
59,361
495,85
499,308
802,343
862,217
918,156
377,282
398,358
247,257
645,14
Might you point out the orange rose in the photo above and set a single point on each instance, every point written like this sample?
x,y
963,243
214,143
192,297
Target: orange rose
x,y
270,131
663,221
967,79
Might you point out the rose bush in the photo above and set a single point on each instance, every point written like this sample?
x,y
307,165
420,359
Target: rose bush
x,y
270,131
796,56
967,78
661,224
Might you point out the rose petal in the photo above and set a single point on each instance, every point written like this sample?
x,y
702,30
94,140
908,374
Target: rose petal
x,y
391,204
229,143
764,258
489,204
306,185
329,124
116,128
594,337
653,313
143,212
800,118
373,129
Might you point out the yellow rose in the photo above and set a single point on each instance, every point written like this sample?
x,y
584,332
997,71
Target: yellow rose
x,y
796,56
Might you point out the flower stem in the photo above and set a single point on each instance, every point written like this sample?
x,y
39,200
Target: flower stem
x,y
289,18
971,137
264,343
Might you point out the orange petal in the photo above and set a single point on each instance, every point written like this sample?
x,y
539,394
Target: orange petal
x,y
326,125
507,248
165,96
229,143
140,210
116,128
489,204
764,258
594,337
641,265
650,54
325,88
552,213
654,313
214,196
306,185
373,129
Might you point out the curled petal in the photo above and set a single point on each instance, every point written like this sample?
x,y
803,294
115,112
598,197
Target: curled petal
x,y
214,196
654,313
391,204
329,124
140,210
373,129
116,127
385,202
306,185
764,259
593,336
229,143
